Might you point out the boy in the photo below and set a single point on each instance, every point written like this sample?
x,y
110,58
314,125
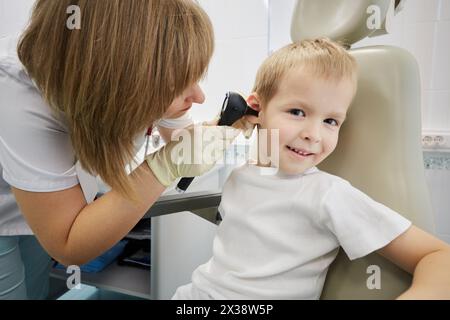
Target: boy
x,y
280,232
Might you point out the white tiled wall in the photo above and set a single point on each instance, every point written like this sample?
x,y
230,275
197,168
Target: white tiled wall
x,y
280,15
441,202
241,30
427,32
14,15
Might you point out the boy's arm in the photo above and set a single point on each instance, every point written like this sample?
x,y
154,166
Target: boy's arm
x,y
427,258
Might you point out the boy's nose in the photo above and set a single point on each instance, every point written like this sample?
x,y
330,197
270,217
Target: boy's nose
x,y
196,94
311,132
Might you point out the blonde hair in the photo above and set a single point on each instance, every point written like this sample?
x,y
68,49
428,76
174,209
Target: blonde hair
x,y
320,57
116,75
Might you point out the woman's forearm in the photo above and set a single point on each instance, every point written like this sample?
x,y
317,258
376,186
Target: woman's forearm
x,y
107,220
431,278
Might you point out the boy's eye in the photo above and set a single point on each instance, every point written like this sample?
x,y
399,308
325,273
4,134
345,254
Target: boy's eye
x,y
332,122
297,112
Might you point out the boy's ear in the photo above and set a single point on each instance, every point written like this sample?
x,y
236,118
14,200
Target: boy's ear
x,y
253,102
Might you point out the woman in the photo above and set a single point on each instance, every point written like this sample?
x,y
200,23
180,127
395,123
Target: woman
x,y
85,96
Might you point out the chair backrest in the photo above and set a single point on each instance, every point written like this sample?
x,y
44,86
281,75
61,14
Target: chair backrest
x,y
380,153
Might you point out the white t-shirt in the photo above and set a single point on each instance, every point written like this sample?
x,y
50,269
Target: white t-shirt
x,y
280,233
35,149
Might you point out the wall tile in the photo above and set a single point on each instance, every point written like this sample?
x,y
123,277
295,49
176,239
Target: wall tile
x,y
421,11
236,18
439,184
439,110
425,107
241,29
444,10
280,17
2,19
15,15
419,40
441,60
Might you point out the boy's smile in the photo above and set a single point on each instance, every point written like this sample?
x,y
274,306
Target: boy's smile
x,y
308,111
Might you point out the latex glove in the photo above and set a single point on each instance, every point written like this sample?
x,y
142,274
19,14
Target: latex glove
x,y
198,150
245,126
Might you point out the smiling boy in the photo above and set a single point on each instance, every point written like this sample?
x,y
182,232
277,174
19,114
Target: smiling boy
x,y
284,222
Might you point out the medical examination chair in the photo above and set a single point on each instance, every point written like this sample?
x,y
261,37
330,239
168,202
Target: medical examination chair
x,y
379,149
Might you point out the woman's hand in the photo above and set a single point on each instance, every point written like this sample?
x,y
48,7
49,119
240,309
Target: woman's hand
x,y
245,126
192,152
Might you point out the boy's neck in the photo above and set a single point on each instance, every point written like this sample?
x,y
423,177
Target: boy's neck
x,y
262,157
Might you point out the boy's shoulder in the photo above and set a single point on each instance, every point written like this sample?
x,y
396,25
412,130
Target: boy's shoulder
x,y
313,176
319,184
329,178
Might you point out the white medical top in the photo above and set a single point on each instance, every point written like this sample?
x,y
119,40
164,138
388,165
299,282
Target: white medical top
x,y
280,233
35,149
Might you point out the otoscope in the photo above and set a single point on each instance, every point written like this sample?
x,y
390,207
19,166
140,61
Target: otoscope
x,y
234,107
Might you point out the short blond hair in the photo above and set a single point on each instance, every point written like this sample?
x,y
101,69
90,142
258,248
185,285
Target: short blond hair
x,y
321,57
116,75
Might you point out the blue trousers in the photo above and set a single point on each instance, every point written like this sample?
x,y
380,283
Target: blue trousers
x,y
24,269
